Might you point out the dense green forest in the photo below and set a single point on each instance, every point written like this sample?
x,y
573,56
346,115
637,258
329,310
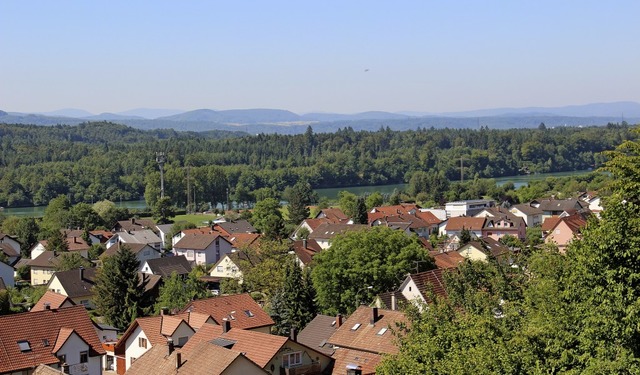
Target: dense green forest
x,y
95,161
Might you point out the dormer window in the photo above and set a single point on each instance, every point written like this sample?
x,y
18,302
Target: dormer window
x,y
24,346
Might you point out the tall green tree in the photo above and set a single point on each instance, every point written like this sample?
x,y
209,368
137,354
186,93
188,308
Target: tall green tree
x,y
57,242
163,210
379,257
299,197
71,261
267,218
177,291
57,215
293,306
118,291
361,216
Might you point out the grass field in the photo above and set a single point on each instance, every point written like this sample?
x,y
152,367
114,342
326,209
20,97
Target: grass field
x,y
197,219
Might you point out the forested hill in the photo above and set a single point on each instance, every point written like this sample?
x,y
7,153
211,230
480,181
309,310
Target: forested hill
x,y
94,161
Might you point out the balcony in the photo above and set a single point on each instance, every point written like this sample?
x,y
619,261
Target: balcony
x,y
310,369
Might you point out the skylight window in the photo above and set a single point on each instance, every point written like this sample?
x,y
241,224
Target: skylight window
x,y
45,342
381,331
249,313
356,326
24,346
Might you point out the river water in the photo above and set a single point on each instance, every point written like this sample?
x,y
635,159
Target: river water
x,y
330,193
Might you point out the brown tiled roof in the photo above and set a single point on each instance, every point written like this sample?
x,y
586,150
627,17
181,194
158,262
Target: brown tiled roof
x,y
428,217
344,357
75,286
550,223
430,281
201,230
315,223
135,224
385,298
55,301
397,209
469,223
366,337
257,346
448,259
194,319
197,241
306,254
36,327
334,215
317,332
560,204
328,231
47,259
46,370
527,209
8,250
221,307
156,361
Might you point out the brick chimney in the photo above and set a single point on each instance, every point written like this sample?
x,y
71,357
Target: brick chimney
x,y
338,320
178,360
294,335
170,346
81,269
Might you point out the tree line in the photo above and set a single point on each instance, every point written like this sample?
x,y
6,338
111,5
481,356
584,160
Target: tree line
x,y
95,161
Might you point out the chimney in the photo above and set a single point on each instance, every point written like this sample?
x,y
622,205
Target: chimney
x,y
338,320
394,301
374,315
304,243
170,345
164,311
133,220
294,335
178,359
226,326
47,306
81,269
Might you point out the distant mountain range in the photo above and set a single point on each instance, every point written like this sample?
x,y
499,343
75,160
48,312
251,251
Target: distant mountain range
x,y
282,121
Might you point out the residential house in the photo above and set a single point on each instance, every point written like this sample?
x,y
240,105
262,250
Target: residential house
x,y
454,227
102,235
446,259
51,300
206,358
74,244
144,236
406,222
6,274
467,207
500,222
9,253
486,247
142,251
202,249
275,354
164,230
241,241
50,337
402,208
133,224
565,230
439,213
228,267
239,309
76,284
186,232
10,240
304,251
420,288
363,339
317,332
307,226
325,233
93,239
556,207
43,267
165,266
532,215
144,333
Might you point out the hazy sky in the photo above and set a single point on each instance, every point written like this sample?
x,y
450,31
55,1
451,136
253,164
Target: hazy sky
x,y
425,55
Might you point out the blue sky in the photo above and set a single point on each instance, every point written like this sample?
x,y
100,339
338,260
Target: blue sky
x,y
428,56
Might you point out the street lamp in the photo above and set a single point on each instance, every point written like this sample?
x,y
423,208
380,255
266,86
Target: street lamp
x,y
358,293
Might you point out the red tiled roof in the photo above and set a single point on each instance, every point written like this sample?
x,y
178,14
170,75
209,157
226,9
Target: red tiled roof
x,y
55,301
397,209
430,281
241,240
366,337
334,215
449,259
156,328
36,327
328,231
428,217
469,223
194,319
550,223
344,357
315,223
222,307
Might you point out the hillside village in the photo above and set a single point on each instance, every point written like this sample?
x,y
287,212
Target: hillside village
x,y
230,329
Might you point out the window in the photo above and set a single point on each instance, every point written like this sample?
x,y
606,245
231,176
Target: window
x,y
189,254
84,357
249,313
219,268
182,340
356,326
24,346
62,358
381,331
84,302
142,342
291,359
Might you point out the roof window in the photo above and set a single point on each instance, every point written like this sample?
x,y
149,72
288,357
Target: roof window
x,y
249,313
24,346
356,326
381,331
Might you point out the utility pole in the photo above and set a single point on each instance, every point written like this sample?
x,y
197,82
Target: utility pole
x,y
161,158
462,158
188,189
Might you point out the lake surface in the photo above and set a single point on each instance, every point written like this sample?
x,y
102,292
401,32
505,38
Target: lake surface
x,y
330,193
